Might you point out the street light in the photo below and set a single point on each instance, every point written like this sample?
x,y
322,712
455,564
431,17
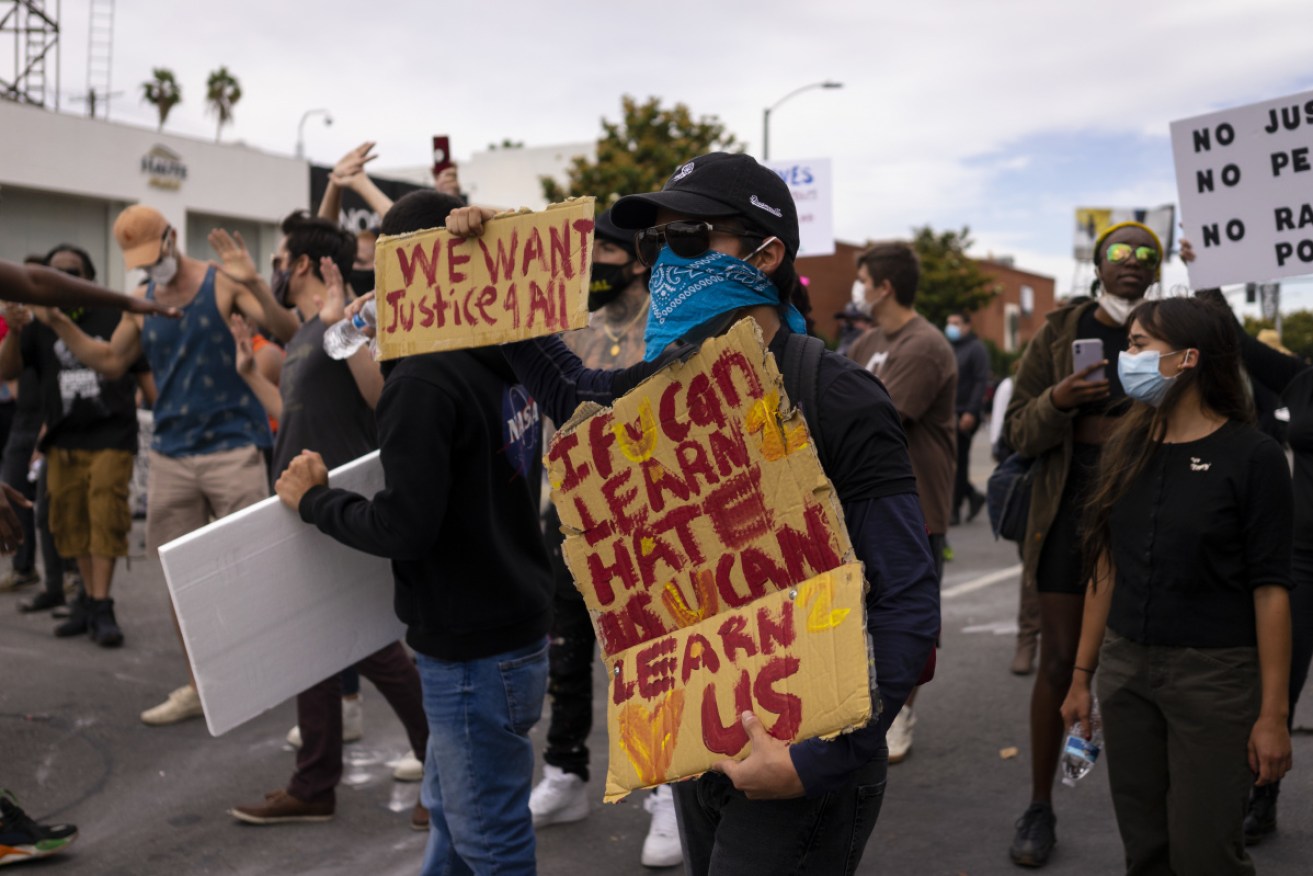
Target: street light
x,y
300,128
765,116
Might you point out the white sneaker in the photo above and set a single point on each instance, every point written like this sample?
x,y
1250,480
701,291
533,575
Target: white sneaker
x,y
182,704
353,723
899,737
559,798
662,847
408,768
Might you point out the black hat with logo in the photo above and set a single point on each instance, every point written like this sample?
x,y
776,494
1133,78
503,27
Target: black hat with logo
x,y
719,184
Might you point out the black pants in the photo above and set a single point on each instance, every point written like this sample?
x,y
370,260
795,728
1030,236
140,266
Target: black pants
x,y
726,834
962,488
570,666
13,471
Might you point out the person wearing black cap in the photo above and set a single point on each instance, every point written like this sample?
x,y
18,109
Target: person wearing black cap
x,y
721,237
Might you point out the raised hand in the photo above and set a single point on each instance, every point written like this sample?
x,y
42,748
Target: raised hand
x,y
241,330
351,164
332,306
235,260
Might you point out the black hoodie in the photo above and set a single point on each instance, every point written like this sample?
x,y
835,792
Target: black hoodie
x,y
460,444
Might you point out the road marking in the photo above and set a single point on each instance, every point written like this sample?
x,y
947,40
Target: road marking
x,y
981,583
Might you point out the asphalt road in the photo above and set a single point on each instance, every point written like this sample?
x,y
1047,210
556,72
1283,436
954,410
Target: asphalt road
x,y
153,800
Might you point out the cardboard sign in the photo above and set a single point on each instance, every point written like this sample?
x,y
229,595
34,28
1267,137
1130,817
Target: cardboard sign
x,y
1245,180
698,494
796,658
1091,222
526,276
270,606
812,186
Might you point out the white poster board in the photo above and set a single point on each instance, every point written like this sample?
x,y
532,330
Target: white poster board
x,y
812,187
270,606
1245,180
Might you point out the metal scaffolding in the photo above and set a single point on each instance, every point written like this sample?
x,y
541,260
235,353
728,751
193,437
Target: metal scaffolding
x,y
35,26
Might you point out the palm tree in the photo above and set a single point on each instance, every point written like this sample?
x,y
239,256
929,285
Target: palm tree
x,y
222,92
163,91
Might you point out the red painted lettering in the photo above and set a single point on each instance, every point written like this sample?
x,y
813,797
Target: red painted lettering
x,y
622,690
504,263
560,246
455,260
788,706
729,449
533,249
723,368
425,313
734,637
775,630
618,501
561,448
428,262
658,480
738,509
656,668
601,437
703,403
727,739
812,553
692,462
698,654
583,227
675,430
512,305
600,575
758,569
539,301
486,298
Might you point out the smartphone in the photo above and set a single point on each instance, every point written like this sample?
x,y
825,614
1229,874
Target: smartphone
x,y
441,154
1085,353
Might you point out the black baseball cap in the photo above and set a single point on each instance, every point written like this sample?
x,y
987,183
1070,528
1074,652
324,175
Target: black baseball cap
x,y
719,184
606,229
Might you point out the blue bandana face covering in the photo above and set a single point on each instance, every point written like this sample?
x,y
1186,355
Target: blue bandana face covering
x,y
686,292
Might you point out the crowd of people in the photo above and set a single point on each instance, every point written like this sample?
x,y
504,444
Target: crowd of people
x,y
1163,535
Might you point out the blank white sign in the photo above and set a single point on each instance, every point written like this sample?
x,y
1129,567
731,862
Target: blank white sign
x,y
270,606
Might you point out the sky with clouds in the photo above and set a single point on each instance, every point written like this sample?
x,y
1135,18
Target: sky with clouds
x,y
1001,115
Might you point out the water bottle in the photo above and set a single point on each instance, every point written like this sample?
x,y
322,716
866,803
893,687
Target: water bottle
x,y
343,338
1080,754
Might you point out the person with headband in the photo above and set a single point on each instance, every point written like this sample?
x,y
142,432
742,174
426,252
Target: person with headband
x,y
1187,547
1061,417
721,238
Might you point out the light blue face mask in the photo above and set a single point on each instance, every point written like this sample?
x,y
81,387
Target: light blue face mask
x,y
953,332
1141,378
687,292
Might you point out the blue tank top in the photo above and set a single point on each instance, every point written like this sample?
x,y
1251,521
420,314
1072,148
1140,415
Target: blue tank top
x,y
203,406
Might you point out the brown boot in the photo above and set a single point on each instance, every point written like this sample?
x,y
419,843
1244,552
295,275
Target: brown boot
x,y
1023,662
419,817
280,807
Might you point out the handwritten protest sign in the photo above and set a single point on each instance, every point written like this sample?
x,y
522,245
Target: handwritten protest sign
x,y
526,276
1245,180
691,501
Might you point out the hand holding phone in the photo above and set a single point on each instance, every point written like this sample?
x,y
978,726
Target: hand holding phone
x,y
1088,381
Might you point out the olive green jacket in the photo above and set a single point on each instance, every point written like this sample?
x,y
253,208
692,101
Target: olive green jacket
x,y
1036,428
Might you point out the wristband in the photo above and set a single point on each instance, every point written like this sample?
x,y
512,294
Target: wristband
x,y
1083,669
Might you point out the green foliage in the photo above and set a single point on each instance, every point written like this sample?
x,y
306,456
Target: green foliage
x,y
951,281
506,143
1001,361
162,91
1296,331
638,153
222,91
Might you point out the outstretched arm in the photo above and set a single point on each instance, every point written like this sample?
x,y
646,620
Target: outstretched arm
x,y
111,358
34,284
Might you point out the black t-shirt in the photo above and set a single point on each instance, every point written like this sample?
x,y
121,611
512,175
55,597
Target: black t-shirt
x,y
82,409
1298,399
323,410
1114,340
1204,524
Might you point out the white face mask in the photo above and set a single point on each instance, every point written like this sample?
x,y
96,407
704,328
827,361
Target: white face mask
x,y
163,271
1118,308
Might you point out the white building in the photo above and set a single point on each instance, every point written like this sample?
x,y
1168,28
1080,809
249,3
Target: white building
x,y
506,178
64,178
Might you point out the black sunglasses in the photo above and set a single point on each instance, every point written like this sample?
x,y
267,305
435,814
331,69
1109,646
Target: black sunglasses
x,y
686,238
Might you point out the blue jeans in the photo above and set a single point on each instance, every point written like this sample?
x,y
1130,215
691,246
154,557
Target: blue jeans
x,y
479,768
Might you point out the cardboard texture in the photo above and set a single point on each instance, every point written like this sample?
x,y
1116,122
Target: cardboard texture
x,y
697,496
526,276
795,658
270,606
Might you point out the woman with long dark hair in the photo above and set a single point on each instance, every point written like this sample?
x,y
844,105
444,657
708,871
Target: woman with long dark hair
x,y
1187,540
1061,417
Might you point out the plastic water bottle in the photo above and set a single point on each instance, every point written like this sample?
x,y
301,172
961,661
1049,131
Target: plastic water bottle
x,y
343,338
1080,754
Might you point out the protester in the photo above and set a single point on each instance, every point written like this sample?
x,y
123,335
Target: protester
x,y
619,302
326,406
853,322
1187,615
475,598
915,363
973,378
1023,659
20,444
206,458
22,838
349,173
728,224
1062,419
89,439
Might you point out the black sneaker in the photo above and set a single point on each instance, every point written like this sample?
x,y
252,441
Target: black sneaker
x,y
22,839
1035,837
1261,817
78,614
103,627
43,601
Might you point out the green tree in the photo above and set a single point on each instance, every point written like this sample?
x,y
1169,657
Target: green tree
x,y
639,152
951,281
163,92
222,91
506,143
1296,331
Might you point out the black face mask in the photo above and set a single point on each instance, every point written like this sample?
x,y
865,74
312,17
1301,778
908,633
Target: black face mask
x,y
362,281
280,285
607,282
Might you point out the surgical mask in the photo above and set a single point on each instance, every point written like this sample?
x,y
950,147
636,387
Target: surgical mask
x,y
607,282
280,285
362,280
1118,308
163,271
953,332
688,292
1141,378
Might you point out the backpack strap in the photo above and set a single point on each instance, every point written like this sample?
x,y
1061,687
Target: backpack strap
x,y
802,376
